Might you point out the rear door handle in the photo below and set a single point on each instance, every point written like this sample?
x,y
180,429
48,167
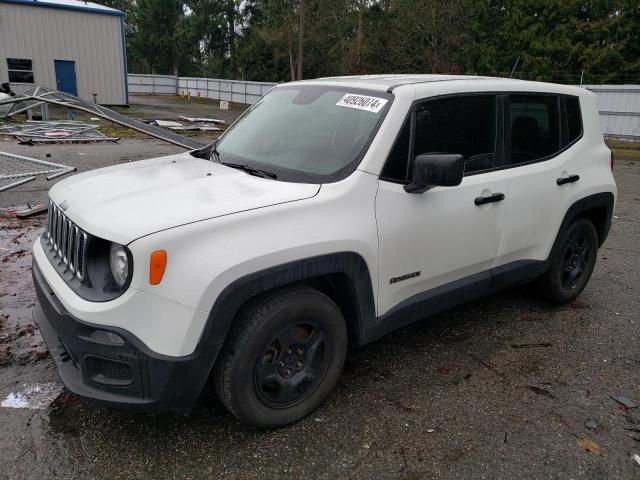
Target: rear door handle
x,y
496,197
569,179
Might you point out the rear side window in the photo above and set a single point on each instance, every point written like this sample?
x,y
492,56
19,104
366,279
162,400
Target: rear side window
x,y
574,119
464,125
535,127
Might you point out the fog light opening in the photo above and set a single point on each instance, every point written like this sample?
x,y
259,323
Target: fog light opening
x,y
104,336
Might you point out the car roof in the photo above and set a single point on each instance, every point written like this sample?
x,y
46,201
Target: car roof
x,y
432,83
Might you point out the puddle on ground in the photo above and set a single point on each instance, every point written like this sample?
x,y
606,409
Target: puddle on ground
x,y
64,414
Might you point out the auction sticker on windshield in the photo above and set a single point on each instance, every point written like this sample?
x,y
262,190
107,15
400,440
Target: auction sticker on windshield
x,y
362,102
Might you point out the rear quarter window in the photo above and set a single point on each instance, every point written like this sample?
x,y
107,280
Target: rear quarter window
x,y
574,119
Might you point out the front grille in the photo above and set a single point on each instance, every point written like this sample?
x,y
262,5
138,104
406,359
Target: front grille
x,y
67,240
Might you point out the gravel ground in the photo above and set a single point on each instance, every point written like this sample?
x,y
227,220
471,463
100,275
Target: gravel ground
x,y
502,387
84,157
89,156
171,107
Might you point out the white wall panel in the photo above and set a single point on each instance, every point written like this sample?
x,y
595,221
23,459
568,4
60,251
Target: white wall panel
x,y
93,41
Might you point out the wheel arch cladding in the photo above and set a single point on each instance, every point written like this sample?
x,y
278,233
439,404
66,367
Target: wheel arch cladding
x,y
598,208
343,276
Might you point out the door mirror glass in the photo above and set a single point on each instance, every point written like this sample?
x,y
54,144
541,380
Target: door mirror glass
x,y
436,170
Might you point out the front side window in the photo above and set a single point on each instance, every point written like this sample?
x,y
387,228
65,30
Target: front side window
x,y
464,125
461,125
20,70
535,127
305,132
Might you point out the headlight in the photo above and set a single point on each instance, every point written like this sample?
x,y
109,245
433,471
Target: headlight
x,y
119,263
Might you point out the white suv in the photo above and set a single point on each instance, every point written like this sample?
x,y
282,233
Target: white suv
x,y
332,212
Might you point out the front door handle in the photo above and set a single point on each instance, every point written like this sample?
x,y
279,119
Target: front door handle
x,y
496,197
569,179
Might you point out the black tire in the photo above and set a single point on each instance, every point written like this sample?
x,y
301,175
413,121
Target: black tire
x,y
572,263
283,356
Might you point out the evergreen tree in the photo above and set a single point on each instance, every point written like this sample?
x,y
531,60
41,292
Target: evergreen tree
x,y
596,41
157,40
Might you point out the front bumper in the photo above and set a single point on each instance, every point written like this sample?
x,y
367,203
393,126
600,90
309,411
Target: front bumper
x,y
126,374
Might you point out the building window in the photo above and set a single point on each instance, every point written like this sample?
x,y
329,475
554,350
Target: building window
x,y
20,70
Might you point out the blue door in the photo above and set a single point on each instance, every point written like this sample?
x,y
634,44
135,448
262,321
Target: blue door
x,y
66,76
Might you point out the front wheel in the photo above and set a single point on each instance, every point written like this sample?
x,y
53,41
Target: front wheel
x,y
284,355
572,263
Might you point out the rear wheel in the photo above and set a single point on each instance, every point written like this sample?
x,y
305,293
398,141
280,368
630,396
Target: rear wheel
x,y
572,264
283,357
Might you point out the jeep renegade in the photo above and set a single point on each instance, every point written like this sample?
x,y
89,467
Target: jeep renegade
x,y
332,212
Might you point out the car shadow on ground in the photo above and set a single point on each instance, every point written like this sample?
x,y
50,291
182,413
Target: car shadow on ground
x,y
472,331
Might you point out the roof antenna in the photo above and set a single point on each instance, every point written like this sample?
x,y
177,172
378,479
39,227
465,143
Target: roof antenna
x,y
513,70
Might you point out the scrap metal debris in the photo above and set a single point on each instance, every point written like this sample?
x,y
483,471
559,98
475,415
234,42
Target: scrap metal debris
x,y
202,120
194,124
167,123
626,402
30,212
40,96
17,170
65,131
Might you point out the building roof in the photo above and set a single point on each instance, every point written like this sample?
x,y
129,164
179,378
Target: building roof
x,y
76,5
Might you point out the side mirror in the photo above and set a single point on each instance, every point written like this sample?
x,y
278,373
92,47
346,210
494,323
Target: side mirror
x,y
436,170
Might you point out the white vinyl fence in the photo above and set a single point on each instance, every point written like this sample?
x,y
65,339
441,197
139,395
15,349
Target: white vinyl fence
x,y
213,88
152,84
619,105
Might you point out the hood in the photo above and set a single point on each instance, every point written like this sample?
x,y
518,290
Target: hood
x,y
125,202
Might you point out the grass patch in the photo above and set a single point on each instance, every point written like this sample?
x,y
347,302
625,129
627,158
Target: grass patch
x,y
209,101
117,131
624,150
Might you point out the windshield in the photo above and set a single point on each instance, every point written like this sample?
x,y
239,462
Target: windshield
x,y
306,133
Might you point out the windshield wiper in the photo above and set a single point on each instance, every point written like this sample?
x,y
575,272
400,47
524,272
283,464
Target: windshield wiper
x,y
215,152
246,168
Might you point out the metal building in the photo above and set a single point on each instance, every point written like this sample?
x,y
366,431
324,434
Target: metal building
x,y
74,46
619,107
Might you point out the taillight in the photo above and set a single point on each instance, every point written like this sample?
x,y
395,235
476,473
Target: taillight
x,y
612,160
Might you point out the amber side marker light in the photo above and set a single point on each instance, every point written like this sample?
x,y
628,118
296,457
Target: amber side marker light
x,y
156,266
